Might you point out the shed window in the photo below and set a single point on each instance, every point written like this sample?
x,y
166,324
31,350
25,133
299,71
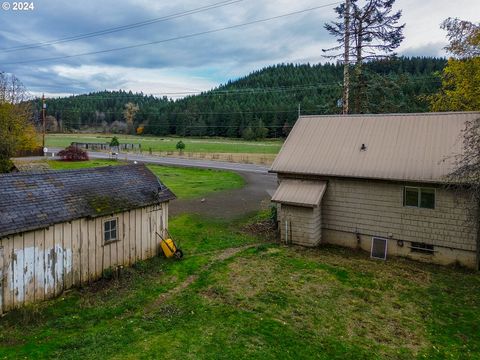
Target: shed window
x,y
419,197
110,230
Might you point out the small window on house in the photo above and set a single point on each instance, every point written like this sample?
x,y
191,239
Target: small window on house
x,y
419,197
427,198
422,248
110,230
411,196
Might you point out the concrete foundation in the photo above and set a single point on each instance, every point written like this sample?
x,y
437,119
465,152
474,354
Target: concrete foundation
x,y
440,255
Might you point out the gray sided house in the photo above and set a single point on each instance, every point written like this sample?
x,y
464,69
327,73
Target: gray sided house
x,y
64,228
376,182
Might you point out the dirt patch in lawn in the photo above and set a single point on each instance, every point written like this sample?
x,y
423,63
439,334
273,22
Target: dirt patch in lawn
x,y
265,229
221,256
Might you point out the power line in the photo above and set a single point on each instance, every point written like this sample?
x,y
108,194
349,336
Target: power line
x,y
244,125
218,92
243,91
120,28
182,37
182,113
195,126
157,123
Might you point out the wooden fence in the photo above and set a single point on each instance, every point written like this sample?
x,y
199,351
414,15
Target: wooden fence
x,y
106,146
27,153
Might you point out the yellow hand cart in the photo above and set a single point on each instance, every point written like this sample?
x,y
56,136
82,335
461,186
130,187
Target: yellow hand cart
x,y
169,246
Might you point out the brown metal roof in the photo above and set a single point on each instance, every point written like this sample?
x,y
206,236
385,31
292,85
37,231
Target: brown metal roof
x,y
300,192
405,147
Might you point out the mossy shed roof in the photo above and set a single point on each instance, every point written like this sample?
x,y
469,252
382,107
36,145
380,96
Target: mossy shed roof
x,y
35,200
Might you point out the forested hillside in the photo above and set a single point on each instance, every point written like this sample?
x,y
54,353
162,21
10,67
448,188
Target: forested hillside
x,y
264,103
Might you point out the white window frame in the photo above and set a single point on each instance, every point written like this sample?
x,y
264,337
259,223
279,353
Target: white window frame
x,y
419,191
110,240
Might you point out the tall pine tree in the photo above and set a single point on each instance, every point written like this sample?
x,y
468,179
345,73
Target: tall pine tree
x,y
373,32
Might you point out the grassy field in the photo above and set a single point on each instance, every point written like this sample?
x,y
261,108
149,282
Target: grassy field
x,y
186,183
262,302
158,144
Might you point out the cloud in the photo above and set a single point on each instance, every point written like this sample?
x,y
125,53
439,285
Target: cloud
x,y
194,63
430,49
88,78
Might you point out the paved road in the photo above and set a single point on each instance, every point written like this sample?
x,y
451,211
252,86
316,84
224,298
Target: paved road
x,y
252,168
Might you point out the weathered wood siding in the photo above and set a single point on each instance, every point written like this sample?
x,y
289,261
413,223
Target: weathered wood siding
x,y
300,225
40,264
376,208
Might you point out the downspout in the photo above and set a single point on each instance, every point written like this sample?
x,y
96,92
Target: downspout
x,y
286,232
290,228
478,235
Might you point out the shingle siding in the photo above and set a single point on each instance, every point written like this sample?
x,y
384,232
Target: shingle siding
x,y
367,160
376,208
303,224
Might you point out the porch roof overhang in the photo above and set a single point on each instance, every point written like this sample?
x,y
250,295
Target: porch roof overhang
x,y
300,192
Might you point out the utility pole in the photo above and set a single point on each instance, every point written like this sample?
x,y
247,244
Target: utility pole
x,y
44,106
299,110
346,59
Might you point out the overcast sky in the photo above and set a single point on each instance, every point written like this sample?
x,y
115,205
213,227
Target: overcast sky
x,y
188,64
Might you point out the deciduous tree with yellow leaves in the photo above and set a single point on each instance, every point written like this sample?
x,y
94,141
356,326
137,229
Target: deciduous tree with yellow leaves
x,y
461,92
17,132
461,77
129,113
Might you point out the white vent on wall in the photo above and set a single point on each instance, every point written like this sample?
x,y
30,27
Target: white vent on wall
x,y
379,248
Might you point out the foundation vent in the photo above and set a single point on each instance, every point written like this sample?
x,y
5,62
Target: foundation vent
x,y
379,248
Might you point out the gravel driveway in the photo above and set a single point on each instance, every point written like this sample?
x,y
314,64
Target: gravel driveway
x,y
254,196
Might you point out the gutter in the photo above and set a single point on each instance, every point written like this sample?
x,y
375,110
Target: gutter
x,y
421,181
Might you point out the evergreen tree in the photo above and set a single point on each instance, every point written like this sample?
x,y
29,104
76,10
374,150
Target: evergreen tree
x,y
271,95
373,32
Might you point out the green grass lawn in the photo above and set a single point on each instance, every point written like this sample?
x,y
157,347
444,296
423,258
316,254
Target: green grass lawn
x,y
264,302
186,183
207,145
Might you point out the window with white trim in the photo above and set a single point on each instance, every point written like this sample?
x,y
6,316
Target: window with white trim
x,y
419,197
110,230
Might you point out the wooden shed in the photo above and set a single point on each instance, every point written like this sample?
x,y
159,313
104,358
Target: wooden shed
x,y
377,182
59,229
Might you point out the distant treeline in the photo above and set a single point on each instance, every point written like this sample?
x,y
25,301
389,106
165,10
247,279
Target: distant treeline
x,y
262,104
